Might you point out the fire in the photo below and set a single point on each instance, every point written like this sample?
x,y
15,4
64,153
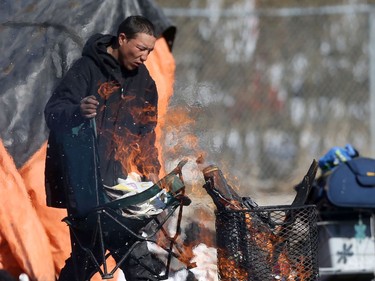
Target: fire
x,y
231,266
106,89
283,266
180,140
258,243
144,114
134,152
130,155
133,149
229,270
302,273
286,269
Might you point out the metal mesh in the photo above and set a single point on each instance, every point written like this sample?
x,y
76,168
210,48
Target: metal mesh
x,y
272,243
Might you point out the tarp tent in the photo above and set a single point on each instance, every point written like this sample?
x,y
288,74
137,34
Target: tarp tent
x,y
39,41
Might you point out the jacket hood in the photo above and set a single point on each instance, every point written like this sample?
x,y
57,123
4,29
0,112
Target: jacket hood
x,y
96,49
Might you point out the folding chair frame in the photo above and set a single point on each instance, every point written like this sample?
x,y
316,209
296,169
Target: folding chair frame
x,y
109,213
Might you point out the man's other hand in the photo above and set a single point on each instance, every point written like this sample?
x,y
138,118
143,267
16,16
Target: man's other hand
x,y
88,107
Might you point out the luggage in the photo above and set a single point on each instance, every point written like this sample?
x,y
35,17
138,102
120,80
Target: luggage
x,y
352,184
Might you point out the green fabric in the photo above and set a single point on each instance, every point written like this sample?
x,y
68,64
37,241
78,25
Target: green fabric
x,y
170,182
81,173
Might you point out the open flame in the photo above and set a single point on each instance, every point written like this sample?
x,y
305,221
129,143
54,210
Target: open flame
x,y
229,269
269,260
133,137
131,156
106,89
180,140
258,243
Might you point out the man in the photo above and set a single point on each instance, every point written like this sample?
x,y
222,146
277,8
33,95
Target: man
x,y
108,91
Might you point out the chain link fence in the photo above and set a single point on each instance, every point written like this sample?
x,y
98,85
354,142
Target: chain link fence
x,y
266,91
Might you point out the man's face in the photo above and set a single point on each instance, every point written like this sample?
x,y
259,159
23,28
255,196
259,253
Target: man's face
x,y
135,51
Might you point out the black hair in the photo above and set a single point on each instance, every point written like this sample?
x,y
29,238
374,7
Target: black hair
x,y
133,25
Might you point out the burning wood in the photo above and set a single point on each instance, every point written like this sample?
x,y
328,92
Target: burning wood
x,y
256,243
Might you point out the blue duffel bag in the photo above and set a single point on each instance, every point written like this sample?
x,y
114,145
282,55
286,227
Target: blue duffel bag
x,y
352,184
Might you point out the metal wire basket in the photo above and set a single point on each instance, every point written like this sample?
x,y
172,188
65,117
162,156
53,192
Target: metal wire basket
x,y
268,243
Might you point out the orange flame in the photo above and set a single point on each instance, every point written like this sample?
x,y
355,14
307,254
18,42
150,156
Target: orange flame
x,y
106,89
130,155
229,270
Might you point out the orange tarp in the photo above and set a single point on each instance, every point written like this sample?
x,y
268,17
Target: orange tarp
x,y
33,239
161,65
57,232
21,228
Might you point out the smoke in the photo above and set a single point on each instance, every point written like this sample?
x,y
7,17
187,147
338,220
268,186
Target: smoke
x,y
205,270
206,261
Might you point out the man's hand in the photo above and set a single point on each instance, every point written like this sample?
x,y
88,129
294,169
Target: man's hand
x,y
88,107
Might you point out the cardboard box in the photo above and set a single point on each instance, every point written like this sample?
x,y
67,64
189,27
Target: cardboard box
x,y
346,246
352,254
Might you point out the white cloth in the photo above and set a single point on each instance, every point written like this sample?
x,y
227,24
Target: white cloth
x,y
133,185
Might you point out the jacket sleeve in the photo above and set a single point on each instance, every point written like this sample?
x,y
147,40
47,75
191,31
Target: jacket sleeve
x,y
62,109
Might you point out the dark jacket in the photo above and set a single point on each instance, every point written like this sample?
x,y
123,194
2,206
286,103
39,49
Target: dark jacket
x,y
124,126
